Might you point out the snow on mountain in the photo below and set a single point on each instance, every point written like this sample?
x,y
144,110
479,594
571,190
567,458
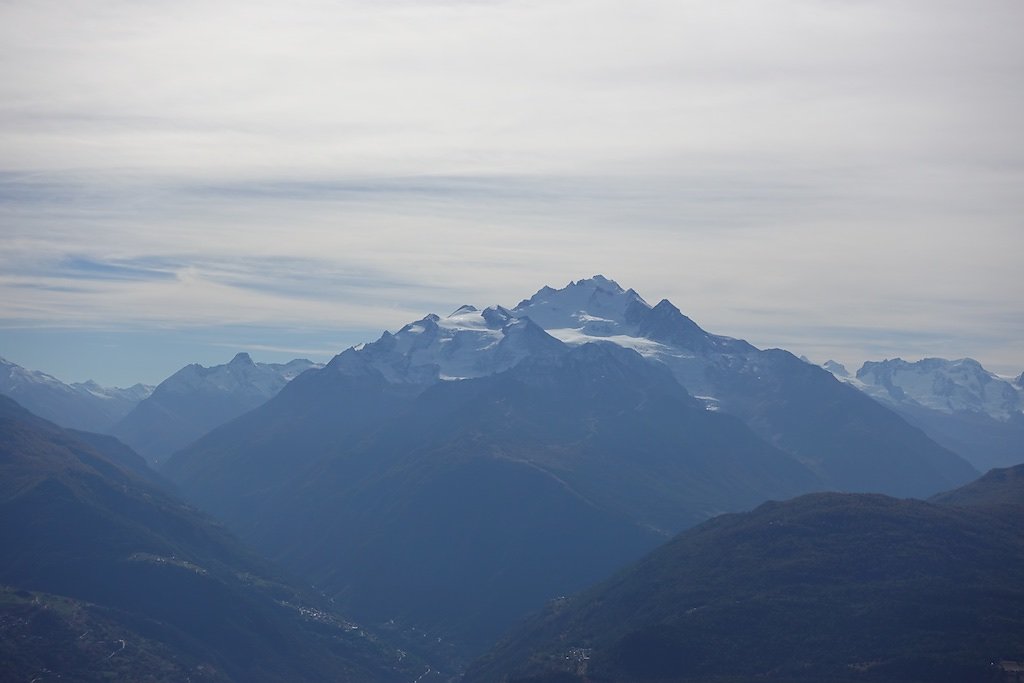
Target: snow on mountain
x,y
598,309
196,399
784,400
594,307
474,343
13,376
240,377
133,394
82,405
468,343
947,386
836,368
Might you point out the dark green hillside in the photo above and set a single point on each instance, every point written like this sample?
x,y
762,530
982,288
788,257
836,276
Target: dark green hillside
x,y
1003,486
826,587
43,636
87,544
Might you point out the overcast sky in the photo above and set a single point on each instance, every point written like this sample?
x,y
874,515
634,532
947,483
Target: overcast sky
x,y
182,180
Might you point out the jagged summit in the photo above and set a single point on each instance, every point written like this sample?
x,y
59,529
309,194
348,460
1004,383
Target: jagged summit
x,y
593,300
597,282
468,343
948,386
836,368
472,343
242,358
196,398
240,374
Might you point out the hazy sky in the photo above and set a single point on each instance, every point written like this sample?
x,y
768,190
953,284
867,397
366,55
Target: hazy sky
x,y
182,180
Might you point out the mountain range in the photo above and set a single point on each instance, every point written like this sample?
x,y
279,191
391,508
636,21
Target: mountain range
x,y
484,462
441,483
87,405
196,399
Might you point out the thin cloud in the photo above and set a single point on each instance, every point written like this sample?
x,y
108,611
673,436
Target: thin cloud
x,y
782,172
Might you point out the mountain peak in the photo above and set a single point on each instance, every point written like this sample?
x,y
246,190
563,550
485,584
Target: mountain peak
x,y
242,358
836,368
666,305
598,281
468,343
496,316
587,304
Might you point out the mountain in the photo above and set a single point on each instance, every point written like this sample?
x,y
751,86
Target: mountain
x,y
842,435
558,437
946,386
836,587
836,368
468,343
109,578
114,450
958,403
86,406
196,399
471,501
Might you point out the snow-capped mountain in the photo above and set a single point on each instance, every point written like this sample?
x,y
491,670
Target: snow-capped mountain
x,y
240,376
468,343
461,454
473,500
83,405
196,399
557,435
598,309
783,399
475,343
947,386
836,368
958,403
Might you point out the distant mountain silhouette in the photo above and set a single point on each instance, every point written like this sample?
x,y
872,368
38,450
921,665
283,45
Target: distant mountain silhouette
x,y
196,399
84,405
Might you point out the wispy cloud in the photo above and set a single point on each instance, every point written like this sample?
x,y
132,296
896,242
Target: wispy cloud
x,y
794,171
